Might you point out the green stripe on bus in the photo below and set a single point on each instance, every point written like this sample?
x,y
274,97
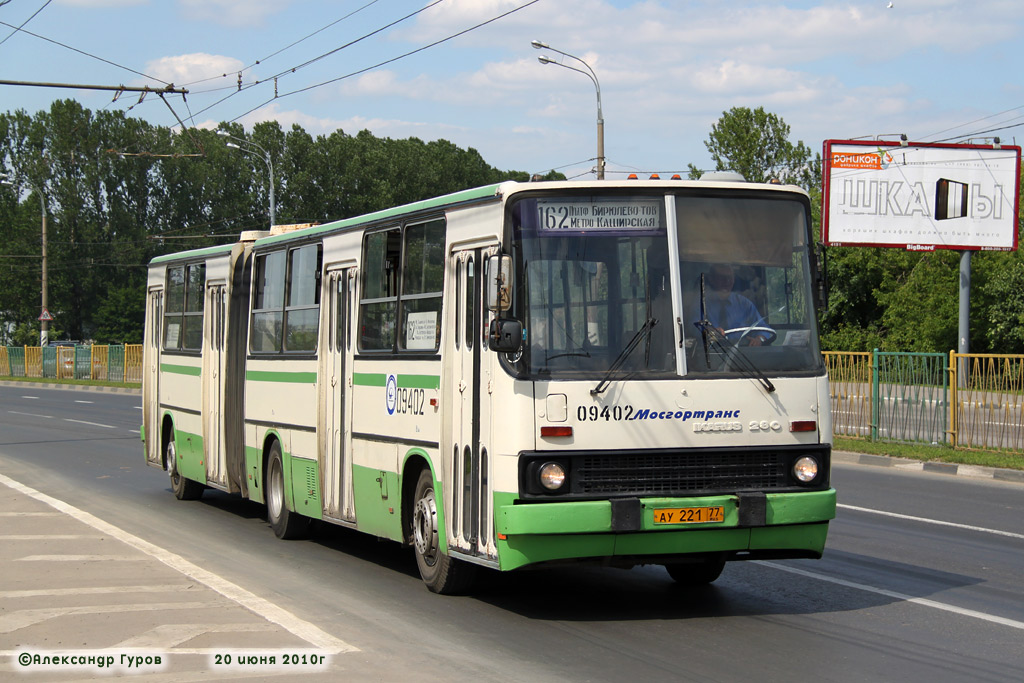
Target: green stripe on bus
x,y
286,377
378,379
181,369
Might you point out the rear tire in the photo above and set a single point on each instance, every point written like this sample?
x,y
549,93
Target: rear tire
x,y
286,524
696,574
184,489
442,574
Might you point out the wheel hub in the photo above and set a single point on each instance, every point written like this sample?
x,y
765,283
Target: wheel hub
x,y
425,526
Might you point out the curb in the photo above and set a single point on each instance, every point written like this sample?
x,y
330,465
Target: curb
x,y
905,464
71,387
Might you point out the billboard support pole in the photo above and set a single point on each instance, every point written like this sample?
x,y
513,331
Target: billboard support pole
x,y
965,302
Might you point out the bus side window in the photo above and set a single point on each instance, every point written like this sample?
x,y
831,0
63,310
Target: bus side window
x,y
379,299
422,285
267,303
183,317
302,312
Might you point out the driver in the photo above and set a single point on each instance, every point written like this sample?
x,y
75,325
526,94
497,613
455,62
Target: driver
x,y
729,310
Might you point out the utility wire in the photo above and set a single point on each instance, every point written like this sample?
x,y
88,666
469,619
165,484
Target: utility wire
x,y
24,22
81,52
390,61
238,89
288,47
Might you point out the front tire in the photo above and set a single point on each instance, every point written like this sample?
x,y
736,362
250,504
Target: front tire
x,y
184,489
696,574
442,574
286,524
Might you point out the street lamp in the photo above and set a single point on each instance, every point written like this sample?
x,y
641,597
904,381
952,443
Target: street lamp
x,y
589,73
265,155
44,316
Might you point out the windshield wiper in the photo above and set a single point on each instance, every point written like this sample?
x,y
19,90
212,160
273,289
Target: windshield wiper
x,y
733,354
640,335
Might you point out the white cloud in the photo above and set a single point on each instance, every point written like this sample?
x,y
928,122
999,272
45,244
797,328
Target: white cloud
x,y
234,13
198,66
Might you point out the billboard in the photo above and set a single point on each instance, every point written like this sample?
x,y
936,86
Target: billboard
x,y
920,196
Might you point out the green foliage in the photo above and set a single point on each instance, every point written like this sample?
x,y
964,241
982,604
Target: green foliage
x,y
755,143
119,191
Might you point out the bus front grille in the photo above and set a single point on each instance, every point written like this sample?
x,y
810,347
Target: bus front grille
x,y
679,473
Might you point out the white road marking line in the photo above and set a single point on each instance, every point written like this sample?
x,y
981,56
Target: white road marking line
x,y
93,424
12,621
898,596
968,527
31,398
45,537
312,634
15,412
29,514
81,558
93,590
90,402
166,636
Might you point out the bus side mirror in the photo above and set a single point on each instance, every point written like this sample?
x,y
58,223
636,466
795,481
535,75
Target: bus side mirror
x,y
499,283
505,335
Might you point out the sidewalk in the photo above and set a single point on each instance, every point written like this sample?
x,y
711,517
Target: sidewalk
x,y
80,598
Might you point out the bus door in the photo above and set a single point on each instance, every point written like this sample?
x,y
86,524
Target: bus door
x,y
469,518
335,432
214,367
151,396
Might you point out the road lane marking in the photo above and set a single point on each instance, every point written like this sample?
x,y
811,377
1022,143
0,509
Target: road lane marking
x,y
167,636
1003,621
967,527
81,558
29,514
45,537
13,621
15,412
93,590
89,402
31,398
92,424
312,634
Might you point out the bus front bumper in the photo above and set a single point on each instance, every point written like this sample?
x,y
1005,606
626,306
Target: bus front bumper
x,y
753,525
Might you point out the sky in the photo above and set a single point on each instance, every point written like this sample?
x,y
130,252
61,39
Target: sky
x,y
465,70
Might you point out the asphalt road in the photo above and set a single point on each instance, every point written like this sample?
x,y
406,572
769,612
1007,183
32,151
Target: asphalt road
x,y
922,578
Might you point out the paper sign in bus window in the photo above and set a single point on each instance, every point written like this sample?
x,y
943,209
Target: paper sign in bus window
x,y
421,330
950,199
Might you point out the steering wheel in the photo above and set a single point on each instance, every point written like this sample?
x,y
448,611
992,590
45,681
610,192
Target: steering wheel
x,y
767,333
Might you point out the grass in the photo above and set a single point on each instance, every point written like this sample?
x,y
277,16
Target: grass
x,y
927,453
71,382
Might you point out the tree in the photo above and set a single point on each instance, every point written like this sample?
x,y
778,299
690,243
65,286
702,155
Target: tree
x,y
755,143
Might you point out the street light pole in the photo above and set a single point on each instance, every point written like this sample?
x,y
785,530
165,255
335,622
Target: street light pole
x,y
265,155
589,73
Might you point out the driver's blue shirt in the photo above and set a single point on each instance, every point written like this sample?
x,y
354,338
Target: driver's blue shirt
x,y
733,311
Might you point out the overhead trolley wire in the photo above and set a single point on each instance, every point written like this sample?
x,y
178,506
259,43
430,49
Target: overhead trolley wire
x,y
18,28
388,61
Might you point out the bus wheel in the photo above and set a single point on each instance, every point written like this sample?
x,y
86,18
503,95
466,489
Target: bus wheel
x,y
285,523
441,573
698,574
184,489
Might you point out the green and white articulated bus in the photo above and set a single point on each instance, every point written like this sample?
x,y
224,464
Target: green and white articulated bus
x,y
510,376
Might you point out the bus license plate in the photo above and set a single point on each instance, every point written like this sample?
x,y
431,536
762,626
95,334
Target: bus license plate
x,y
689,515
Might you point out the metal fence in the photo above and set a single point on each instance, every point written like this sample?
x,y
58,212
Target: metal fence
x,y
964,400
108,363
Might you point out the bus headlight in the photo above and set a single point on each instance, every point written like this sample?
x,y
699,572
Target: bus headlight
x,y
805,469
552,476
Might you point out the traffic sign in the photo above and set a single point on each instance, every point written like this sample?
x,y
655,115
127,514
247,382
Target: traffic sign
x,y
45,316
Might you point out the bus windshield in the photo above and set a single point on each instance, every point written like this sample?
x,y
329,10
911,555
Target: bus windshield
x,y
597,290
